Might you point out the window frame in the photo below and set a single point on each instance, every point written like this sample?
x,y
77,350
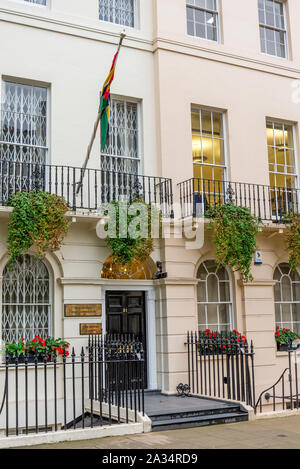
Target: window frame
x,y
275,122
276,29
32,3
50,304
139,158
292,322
206,10
201,109
205,303
35,84
135,16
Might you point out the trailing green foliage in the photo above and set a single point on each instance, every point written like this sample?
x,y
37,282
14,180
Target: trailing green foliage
x,y
130,234
37,218
293,239
234,230
38,346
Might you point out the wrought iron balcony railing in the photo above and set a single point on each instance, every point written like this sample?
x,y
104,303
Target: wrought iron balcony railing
x,y
98,187
267,203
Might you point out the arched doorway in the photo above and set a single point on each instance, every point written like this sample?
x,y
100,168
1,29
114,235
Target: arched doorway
x,y
126,306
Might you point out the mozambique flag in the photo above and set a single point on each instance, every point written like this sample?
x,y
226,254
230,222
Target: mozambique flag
x,y
105,102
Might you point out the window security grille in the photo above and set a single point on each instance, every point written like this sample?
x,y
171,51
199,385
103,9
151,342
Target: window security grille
x,y
38,2
118,11
26,304
23,133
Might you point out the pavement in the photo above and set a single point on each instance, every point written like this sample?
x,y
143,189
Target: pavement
x,y
275,433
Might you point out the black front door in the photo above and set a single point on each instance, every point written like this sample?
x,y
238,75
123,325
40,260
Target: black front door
x,y
125,313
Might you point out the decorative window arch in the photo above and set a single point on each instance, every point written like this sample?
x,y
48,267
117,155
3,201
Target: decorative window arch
x,y
287,297
214,297
26,300
136,271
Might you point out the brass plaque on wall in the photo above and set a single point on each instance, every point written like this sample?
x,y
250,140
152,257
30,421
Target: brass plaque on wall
x,y
79,311
90,329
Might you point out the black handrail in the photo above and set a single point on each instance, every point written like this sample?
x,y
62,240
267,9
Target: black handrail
x,y
4,395
283,397
292,395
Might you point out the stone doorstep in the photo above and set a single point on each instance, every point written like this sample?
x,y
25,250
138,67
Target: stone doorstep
x,y
243,406
71,435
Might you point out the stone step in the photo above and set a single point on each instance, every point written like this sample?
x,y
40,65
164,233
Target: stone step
x,y
159,415
199,421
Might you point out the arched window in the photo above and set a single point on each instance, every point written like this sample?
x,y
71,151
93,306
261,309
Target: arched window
x,y
214,297
287,298
26,304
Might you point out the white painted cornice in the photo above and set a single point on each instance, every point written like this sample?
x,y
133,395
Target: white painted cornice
x,y
284,69
258,283
85,29
73,28
80,281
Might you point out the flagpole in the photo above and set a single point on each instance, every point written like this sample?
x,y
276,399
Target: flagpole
x,y
89,149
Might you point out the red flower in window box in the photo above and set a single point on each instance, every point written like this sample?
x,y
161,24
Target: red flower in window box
x,y
37,347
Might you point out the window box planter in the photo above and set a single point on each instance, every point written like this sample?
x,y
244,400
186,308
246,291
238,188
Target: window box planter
x,y
282,347
11,360
286,340
34,351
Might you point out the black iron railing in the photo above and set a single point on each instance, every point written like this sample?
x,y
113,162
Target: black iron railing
x,y
102,386
124,383
221,367
284,393
98,186
265,202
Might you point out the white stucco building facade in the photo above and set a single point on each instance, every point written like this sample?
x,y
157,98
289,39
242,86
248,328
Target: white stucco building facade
x,y
203,91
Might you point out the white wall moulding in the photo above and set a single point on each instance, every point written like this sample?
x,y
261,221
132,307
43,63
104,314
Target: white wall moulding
x,y
258,283
85,26
80,281
290,69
